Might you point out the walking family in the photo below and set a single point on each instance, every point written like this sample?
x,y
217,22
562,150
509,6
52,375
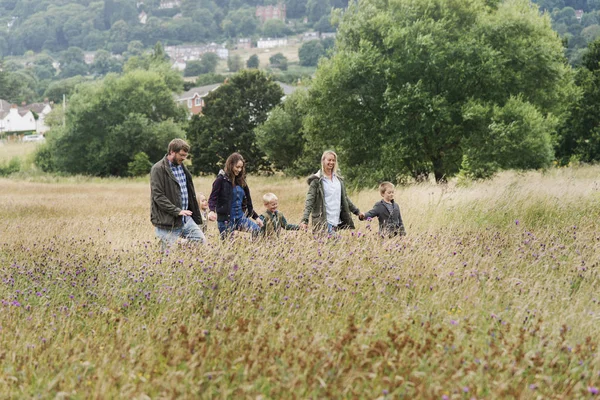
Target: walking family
x,y
176,212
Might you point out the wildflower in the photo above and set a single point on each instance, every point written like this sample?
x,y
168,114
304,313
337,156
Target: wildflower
x,y
466,389
516,222
454,322
593,390
533,386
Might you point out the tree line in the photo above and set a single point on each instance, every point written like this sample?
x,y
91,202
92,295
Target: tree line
x,y
412,88
57,25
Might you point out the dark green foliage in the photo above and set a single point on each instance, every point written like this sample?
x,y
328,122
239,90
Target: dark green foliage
x,y
108,122
281,136
43,157
209,79
580,135
229,118
140,165
112,24
10,167
235,63
310,53
253,61
279,61
206,65
397,96
56,89
275,28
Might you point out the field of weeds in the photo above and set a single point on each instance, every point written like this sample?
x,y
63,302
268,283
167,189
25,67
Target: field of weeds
x,y
493,294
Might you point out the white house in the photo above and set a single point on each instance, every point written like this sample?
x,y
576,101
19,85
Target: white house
x,y
271,43
42,110
16,119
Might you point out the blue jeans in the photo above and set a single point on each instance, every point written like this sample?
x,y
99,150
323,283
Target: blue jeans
x,y
189,230
226,228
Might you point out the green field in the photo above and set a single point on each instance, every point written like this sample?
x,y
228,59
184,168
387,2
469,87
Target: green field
x,y
493,294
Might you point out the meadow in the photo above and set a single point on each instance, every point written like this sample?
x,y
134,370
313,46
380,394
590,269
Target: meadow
x,y
492,294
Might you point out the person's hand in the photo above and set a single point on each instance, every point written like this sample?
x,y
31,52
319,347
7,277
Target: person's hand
x,y
303,226
185,213
212,216
259,222
361,216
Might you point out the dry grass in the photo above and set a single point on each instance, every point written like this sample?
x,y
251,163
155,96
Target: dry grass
x,y
290,52
10,150
493,294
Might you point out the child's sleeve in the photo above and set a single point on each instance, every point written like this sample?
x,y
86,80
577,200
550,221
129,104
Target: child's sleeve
x,y
263,229
374,212
288,227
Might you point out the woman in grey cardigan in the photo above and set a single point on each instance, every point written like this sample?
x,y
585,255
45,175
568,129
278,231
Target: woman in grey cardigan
x,y
326,200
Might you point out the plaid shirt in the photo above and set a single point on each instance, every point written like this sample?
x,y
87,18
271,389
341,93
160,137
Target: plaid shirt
x,y
180,176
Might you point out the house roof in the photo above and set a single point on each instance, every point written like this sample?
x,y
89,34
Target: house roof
x,y
4,108
37,107
200,91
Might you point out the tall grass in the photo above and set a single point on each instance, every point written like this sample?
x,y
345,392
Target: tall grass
x,y
493,294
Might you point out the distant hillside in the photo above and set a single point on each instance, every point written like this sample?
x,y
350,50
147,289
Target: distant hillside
x,y
55,25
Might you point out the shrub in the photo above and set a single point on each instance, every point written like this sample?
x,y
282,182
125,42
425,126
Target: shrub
x,y
7,168
140,165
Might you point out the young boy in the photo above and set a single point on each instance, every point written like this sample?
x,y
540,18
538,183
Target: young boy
x,y
388,212
273,220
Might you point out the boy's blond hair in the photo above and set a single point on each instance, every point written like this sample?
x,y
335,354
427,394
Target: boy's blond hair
x,y
269,197
383,186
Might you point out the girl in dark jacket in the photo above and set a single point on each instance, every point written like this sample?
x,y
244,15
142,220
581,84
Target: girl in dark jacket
x,y
230,203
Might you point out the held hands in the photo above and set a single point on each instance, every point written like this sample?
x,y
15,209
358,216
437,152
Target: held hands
x,y
212,216
361,216
303,226
259,222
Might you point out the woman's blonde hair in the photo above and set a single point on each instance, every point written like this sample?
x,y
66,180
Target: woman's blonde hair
x,y
325,154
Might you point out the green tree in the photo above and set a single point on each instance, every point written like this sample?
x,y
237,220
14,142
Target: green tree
x,y
253,61
109,121
281,136
580,135
72,63
279,61
310,53
3,81
55,91
315,9
397,97
228,121
209,62
275,28
193,68
158,62
105,63
140,165
209,79
235,63
295,8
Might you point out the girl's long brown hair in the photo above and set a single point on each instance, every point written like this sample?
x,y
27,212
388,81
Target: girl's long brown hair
x,y
232,160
